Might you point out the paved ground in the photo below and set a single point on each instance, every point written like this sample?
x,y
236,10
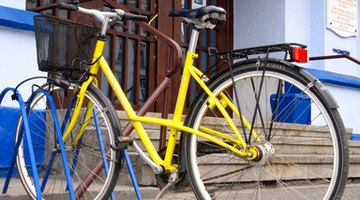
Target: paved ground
x,y
352,192
16,192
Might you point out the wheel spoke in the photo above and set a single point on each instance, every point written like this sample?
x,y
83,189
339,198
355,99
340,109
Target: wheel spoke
x,y
81,158
300,153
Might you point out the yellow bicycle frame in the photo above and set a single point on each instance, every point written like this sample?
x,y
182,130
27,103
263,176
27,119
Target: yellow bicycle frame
x,y
175,123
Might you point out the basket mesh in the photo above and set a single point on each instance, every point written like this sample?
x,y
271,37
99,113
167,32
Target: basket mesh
x,y
63,45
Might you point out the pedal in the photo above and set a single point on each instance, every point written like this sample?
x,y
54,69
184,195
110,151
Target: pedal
x,y
122,143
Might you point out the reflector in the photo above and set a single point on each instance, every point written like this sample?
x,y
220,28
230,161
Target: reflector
x,y
299,55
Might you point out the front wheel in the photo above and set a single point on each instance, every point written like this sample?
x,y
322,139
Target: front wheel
x,y
92,149
302,151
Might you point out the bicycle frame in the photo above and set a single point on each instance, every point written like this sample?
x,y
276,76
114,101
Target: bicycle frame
x,y
246,160
175,123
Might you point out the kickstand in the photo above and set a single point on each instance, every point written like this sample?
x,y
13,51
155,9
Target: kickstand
x,y
172,180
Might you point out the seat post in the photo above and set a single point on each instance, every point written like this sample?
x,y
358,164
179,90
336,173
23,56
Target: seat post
x,y
193,39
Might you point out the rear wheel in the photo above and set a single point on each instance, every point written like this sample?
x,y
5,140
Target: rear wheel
x,y
303,151
92,149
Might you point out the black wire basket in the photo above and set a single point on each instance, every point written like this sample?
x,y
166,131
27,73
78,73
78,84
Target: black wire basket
x,y
63,45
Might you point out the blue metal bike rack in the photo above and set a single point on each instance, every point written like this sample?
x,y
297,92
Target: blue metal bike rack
x,y
25,129
103,151
126,157
25,113
28,137
132,175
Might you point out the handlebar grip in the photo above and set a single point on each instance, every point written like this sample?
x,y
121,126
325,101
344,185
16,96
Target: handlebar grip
x,y
135,17
66,6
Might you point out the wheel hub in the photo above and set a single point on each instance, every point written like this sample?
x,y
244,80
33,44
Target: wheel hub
x,y
264,152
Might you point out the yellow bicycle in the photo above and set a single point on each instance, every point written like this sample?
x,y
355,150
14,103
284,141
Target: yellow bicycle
x,y
260,128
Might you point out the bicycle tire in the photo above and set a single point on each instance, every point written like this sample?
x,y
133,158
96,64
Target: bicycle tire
x,y
299,164
81,158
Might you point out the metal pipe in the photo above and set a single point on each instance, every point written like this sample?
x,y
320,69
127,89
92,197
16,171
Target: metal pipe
x,y
164,84
335,57
177,56
193,40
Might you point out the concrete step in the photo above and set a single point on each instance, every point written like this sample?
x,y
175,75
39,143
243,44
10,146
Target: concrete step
x,y
318,164
303,144
307,146
285,136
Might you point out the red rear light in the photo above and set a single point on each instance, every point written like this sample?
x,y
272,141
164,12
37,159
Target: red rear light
x,y
299,55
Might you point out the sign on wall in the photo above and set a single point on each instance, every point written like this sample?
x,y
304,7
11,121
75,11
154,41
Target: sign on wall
x,y
342,17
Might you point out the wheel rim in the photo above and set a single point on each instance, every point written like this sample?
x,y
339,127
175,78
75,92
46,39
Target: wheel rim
x,y
196,174
97,189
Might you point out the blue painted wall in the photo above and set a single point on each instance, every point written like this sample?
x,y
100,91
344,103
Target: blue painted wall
x,y
9,117
16,18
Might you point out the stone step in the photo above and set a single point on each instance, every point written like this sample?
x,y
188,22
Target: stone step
x,y
319,165
307,146
303,144
292,133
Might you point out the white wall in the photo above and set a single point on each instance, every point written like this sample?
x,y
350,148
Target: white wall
x,y
297,17
19,4
261,22
306,23
18,56
19,62
348,100
258,22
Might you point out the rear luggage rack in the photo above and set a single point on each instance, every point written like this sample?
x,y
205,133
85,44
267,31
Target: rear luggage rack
x,y
297,52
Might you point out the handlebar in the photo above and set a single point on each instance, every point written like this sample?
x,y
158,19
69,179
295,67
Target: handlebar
x,y
131,16
103,17
67,6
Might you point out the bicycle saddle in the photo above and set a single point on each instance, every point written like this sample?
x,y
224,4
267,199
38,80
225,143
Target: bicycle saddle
x,y
213,14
